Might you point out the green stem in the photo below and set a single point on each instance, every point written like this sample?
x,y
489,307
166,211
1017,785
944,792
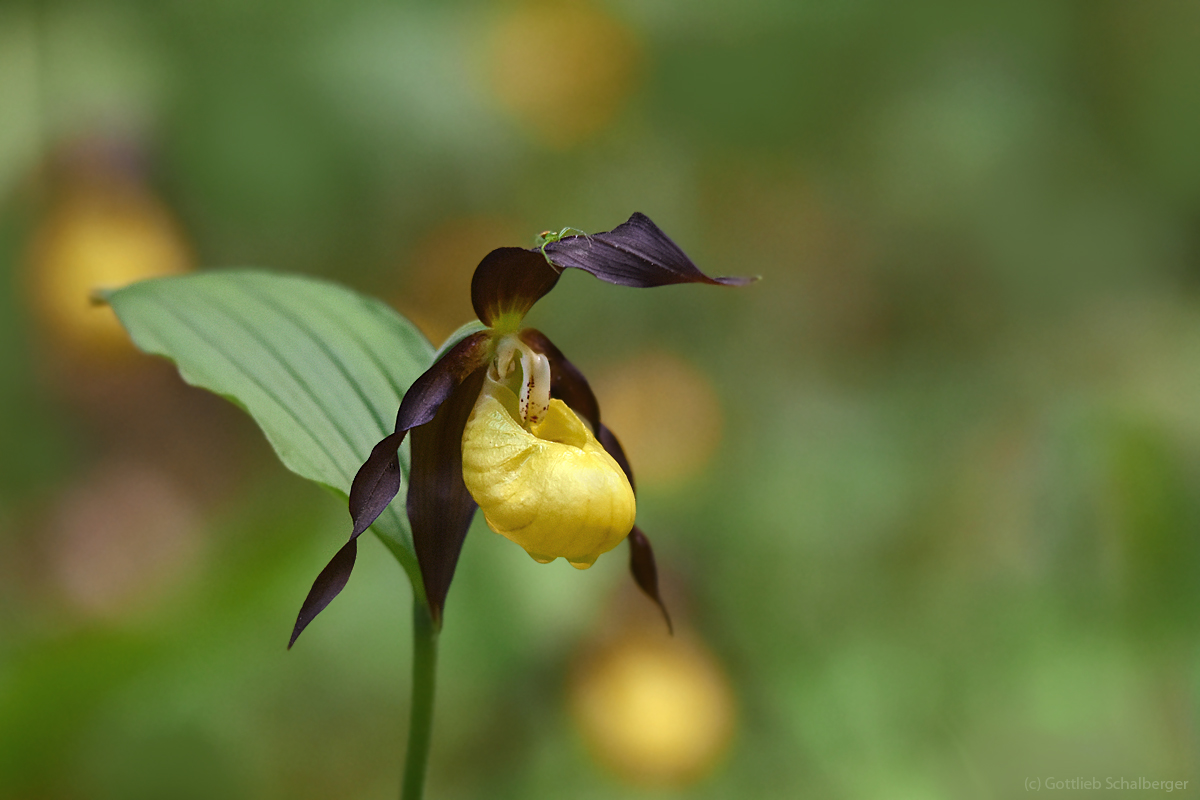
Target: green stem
x,y
420,724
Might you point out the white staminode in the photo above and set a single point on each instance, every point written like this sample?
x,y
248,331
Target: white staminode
x,y
535,376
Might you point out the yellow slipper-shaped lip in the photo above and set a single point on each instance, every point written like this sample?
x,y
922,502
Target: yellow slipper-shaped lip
x,y
551,488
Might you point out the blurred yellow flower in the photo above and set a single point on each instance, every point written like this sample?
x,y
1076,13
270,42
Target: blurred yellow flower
x,y
442,261
669,442
562,69
101,234
656,710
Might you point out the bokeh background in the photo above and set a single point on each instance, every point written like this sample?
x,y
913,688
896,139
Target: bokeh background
x,y
926,499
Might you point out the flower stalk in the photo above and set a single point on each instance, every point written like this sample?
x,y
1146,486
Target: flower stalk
x,y
424,683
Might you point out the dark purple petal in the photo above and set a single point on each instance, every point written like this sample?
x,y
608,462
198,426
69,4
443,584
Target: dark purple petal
x,y
645,574
439,506
328,584
429,391
510,280
635,253
378,480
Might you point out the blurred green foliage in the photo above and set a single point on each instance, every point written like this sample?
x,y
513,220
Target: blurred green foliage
x,y
950,538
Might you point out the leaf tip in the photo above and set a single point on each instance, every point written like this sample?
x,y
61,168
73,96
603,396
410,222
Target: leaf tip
x,y
100,296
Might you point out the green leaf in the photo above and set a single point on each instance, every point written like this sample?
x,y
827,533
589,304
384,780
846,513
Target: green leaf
x,y
320,368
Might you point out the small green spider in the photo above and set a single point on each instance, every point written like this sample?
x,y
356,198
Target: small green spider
x,y
549,237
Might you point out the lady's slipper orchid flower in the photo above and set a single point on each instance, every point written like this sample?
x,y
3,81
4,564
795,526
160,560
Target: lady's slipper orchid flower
x,y
504,422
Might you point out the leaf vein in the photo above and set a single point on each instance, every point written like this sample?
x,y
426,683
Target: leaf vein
x,y
276,398
291,319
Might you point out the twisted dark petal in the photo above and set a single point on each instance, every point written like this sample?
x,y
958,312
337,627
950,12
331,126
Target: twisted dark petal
x,y
327,586
429,391
635,253
645,574
510,280
439,506
378,480
566,381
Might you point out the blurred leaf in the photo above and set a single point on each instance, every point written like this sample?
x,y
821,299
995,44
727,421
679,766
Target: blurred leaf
x,y
320,368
